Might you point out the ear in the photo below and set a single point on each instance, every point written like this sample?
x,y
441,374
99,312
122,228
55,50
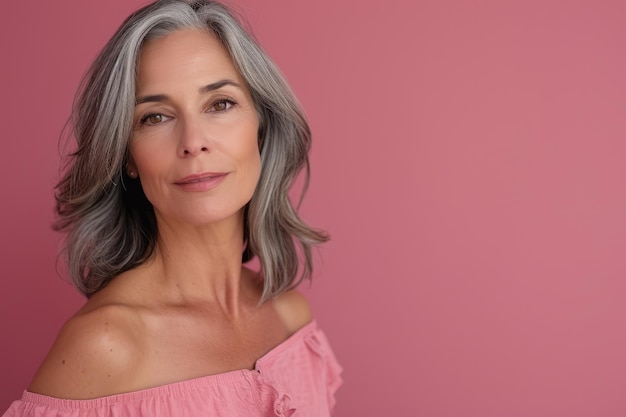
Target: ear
x,y
131,169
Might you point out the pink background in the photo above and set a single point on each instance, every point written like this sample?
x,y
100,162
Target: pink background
x,y
469,161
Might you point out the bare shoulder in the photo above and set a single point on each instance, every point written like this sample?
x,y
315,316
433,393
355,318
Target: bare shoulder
x,y
95,353
293,309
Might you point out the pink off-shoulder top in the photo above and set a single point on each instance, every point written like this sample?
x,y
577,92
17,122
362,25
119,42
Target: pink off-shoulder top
x,y
299,377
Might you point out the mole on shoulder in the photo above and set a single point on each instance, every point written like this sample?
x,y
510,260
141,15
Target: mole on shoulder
x,y
63,362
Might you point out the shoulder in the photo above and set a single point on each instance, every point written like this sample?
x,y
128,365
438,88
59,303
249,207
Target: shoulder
x,y
93,356
293,309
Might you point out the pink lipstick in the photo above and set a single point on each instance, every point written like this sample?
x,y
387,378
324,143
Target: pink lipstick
x,y
201,182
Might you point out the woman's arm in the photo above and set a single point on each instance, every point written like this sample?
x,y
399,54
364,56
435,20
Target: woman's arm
x,y
94,355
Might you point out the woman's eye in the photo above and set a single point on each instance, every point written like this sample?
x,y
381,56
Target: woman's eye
x,y
153,119
222,105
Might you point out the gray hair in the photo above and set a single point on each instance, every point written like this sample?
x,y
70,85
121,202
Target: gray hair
x,y
111,226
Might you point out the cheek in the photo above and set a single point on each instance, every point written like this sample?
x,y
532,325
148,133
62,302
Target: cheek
x,y
244,149
253,156
149,162
255,168
146,157
250,166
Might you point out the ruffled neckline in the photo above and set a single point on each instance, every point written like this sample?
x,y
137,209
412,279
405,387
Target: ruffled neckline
x,y
179,387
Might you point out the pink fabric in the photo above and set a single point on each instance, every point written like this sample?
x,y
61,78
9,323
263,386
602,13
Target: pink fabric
x,y
299,377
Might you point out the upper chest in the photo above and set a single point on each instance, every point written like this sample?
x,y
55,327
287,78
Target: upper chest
x,y
185,343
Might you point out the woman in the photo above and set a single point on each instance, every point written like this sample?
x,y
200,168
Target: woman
x,y
188,140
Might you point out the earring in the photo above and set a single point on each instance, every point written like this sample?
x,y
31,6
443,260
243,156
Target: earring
x,y
132,174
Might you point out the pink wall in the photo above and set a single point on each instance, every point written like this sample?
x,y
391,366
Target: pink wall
x,y
469,162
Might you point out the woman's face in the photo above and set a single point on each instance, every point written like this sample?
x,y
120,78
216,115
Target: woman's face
x,y
194,144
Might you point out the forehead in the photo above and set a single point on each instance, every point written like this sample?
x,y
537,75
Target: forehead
x,y
187,55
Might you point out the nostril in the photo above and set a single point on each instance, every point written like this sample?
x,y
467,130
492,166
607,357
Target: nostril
x,y
190,151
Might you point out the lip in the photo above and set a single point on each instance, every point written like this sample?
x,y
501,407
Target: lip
x,y
201,182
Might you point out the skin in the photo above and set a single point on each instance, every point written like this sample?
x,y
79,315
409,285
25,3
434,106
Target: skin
x,y
192,309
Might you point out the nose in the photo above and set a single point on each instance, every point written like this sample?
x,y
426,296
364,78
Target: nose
x,y
193,137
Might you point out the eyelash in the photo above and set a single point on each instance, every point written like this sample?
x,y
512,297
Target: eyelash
x,y
145,118
229,102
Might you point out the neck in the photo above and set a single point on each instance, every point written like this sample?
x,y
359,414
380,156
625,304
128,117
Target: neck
x,y
201,264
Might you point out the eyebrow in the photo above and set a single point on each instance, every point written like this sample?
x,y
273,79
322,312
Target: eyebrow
x,y
205,89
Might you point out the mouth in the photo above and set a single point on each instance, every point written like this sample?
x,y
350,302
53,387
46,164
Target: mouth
x,y
197,178
201,182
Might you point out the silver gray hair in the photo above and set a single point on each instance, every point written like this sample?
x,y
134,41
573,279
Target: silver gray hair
x,y
110,225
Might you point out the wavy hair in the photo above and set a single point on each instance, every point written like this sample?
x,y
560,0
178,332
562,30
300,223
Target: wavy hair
x,y
111,226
